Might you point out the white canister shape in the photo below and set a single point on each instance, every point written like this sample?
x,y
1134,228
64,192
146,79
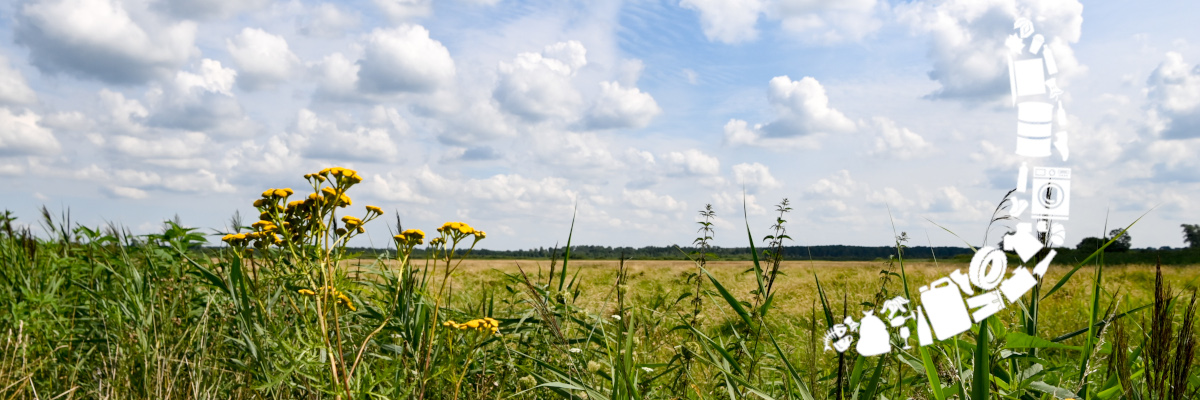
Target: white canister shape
x,y
943,303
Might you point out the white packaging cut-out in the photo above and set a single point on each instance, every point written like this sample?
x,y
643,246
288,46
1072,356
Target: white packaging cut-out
x,y
985,305
944,306
987,268
872,336
1018,284
1051,194
924,337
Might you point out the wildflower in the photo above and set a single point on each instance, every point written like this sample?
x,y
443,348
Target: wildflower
x,y
340,231
479,235
328,191
306,292
265,215
374,209
414,233
647,369
616,317
450,324
343,200
260,202
594,367
345,300
575,350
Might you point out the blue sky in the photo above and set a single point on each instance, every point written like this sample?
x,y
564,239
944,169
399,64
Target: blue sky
x,y
507,114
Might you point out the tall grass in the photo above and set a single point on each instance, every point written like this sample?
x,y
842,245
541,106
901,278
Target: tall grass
x,y
100,313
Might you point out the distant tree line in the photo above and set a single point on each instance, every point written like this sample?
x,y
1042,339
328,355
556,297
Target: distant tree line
x,y
820,253
1119,252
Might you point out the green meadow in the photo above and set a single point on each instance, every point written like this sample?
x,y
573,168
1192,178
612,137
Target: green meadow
x,y
284,311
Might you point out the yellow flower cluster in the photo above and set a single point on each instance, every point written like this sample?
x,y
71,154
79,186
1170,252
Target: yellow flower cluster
x,y
331,291
410,237
330,195
353,223
264,237
341,174
485,324
295,220
459,230
277,193
461,227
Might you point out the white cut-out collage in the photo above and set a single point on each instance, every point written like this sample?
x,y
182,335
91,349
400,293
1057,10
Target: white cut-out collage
x,y
951,305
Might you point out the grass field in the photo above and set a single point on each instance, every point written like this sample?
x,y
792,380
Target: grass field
x,y
281,313
796,290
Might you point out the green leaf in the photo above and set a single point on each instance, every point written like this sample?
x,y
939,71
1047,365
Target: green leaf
x,y
980,385
567,255
733,302
1019,340
1099,251
1052,390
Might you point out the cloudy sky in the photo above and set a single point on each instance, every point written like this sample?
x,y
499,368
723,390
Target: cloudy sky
x,y
507,114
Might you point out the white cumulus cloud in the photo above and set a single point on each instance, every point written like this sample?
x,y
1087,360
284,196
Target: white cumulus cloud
x,y
404,59
803,112
892,140
320,138
13,87
728,21
690,162
967,41
100,39
1173,95
263,59
21,135
400,10
755,176
536,86
619,107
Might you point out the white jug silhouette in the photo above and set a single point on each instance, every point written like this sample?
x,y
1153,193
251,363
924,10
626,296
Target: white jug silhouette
x,y
943,303
872,336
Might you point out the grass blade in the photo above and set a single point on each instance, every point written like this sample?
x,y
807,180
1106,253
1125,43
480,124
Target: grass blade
x,y
981,382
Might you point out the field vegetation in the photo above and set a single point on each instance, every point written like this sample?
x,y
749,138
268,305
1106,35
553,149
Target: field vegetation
x,y
285,311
